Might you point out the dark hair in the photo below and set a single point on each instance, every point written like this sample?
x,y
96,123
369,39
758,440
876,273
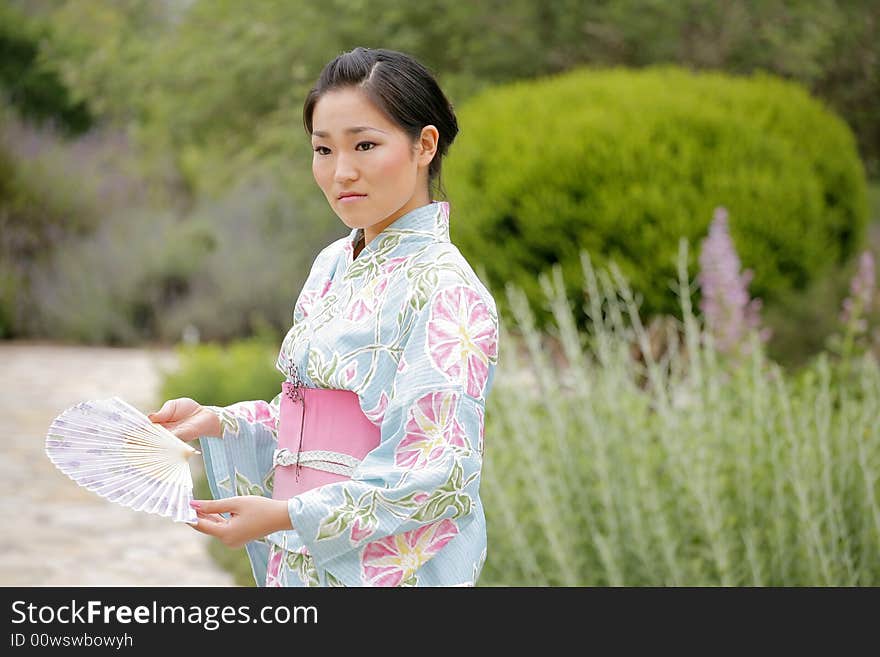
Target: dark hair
x,y
400,87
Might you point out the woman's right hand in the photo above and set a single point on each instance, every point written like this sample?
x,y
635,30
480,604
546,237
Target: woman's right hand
x,y
186,419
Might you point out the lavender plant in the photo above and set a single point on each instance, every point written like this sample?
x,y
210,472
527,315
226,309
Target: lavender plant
x,y
855,308
725,303
709,475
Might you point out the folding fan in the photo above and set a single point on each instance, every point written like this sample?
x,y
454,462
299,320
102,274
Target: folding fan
x,y
111,448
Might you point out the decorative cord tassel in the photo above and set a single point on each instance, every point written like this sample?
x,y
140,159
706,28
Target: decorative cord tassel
x,y
296,395
301,425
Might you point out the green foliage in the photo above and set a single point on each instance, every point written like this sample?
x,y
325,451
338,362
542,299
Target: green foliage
x,y
168,66
679,470
113,285
803,323
254,238
28,82
219,376
628,162
161,70
41,207
143,274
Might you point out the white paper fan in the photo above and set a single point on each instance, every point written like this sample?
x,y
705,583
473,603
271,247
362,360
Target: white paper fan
x,y
111,448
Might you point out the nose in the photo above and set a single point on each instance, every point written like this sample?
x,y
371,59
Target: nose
x,y
345,170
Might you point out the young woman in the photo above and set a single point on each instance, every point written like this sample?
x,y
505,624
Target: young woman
x,y
365,469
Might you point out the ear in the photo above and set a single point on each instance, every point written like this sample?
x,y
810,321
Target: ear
x,y
427,146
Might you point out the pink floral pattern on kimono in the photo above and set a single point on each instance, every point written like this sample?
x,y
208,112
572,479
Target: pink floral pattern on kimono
x,y
273,570
361,528
394,560
372,293
257,412
377,413
308,298
350,372
367,299
462,338
431,427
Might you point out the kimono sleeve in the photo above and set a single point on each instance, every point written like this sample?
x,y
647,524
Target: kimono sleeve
x,y
239,461
419,488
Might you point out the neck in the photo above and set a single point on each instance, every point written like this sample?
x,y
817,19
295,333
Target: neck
x,y
417,201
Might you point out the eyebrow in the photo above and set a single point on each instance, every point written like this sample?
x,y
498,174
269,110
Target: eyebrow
x,y
348,131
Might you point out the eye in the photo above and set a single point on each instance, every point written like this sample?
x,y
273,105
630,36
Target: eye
x,y
318,150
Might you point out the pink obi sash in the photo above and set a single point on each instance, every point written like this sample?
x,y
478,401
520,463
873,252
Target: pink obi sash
x,y
322,436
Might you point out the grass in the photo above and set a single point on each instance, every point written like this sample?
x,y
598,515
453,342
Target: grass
x,y
690,469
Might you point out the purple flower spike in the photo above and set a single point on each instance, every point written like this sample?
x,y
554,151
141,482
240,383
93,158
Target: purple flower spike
x,y
725,302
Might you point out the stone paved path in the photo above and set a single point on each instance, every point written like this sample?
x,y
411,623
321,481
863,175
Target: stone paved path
x,y
56,533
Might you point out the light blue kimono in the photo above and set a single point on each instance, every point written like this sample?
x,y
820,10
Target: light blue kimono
x,y
408,327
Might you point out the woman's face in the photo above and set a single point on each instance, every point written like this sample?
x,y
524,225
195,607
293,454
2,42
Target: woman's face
x,y
380,163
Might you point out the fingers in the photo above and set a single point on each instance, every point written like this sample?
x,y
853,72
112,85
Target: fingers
x,y
165,413
215,506
211,524
213,517
182,429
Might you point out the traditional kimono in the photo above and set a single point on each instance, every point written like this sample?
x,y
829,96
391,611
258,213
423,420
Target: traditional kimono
x,y
407,326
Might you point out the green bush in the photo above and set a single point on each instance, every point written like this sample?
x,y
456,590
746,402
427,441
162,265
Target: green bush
x,y
218,375
622,163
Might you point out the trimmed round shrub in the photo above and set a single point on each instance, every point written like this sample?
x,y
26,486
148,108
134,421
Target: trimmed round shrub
x,y
623,163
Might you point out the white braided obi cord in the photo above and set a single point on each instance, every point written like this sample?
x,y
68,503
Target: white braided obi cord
x,y
335,462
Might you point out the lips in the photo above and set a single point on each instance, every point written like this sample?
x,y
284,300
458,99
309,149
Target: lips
x,y
349,195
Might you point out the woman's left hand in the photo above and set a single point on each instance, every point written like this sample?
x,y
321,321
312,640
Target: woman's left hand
x,y
250,517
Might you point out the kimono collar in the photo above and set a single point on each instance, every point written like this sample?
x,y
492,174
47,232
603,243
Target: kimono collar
x,y
428,222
